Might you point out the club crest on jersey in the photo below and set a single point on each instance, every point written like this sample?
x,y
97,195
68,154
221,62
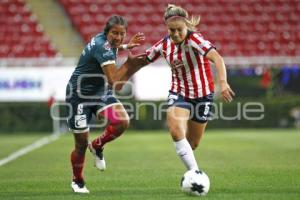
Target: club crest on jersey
x,y
107,46
176,64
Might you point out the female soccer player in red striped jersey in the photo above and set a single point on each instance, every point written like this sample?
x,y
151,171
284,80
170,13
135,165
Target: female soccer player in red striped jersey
x,y
191,95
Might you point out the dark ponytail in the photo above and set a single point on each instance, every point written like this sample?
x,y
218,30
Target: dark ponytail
x,y
113,20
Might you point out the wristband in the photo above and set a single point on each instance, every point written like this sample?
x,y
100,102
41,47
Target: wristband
x,y
124,46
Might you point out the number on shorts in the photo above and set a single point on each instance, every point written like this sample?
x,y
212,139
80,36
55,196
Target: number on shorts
x,y
79,109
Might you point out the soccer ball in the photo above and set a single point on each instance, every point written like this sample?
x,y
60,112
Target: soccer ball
x,y
195,182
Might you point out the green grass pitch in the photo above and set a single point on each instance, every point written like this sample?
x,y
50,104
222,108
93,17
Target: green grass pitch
x,y
241,164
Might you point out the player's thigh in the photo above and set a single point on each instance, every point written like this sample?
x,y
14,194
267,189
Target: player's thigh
x,y
115,112
194,133
177,118
110,108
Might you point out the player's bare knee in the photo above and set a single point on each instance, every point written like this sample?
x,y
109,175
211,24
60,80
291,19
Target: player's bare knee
x,y
124,124
121,126
174,127
176,132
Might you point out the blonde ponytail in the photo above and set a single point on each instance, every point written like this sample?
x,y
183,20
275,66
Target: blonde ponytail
x,y
193,22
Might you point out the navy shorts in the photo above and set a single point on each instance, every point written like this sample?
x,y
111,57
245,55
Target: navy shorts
x,y
83,109
200,108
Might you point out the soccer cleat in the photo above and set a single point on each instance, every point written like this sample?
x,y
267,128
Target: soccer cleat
x,y
99,158
79,187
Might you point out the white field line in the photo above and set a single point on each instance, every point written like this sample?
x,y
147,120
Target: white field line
x,y
37,144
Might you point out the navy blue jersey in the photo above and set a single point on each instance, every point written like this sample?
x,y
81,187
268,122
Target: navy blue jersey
x,y
87,78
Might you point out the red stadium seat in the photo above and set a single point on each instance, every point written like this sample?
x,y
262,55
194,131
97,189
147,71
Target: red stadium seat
x,y
245,29
18,30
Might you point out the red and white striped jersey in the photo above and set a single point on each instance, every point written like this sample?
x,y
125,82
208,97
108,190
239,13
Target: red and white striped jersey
x,y
191,72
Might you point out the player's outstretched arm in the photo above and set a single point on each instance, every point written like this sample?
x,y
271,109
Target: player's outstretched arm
x,y
226,92
133,64
117,77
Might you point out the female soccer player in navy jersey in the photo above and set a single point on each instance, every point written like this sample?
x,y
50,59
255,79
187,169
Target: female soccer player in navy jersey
x,y
89,92
192,88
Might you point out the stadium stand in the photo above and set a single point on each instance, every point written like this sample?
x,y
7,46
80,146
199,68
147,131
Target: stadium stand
x,y
58,27
20,33
236,27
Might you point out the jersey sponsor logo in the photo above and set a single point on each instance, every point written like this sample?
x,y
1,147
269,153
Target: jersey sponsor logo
x,y
107,46
177,64
80,121
108,54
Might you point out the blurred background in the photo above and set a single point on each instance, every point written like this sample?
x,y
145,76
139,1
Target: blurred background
x,y
40,42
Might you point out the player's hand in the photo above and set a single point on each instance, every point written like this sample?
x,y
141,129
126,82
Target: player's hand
x,y
226,92
136,40
138,60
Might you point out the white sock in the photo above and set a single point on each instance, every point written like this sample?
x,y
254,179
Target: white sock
x,y
186,154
